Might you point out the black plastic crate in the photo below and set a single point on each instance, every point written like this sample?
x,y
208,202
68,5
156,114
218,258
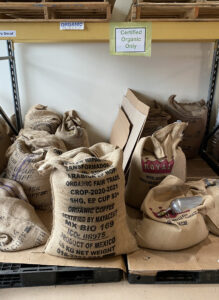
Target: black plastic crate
x,y
24,275
176,277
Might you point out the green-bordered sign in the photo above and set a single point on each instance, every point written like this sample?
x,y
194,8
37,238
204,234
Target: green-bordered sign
x,y
132,38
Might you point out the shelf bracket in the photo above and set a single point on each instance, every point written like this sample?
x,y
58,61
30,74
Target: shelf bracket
x,y
14,82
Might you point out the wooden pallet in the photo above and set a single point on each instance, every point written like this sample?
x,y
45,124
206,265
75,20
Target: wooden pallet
x,y
56,11
186,11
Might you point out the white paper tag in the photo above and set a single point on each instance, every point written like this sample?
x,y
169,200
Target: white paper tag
x,y
130,39
7,33
72,26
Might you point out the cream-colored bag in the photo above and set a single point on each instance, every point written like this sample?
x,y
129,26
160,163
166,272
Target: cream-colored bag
x,y
40,118
173,231
72,132
20,227
4,143
89,216
154,158
22,156
196,115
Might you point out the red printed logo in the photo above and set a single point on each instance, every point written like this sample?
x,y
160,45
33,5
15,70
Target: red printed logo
x,y
157,166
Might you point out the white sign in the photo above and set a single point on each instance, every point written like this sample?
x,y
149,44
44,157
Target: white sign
x,y
130,39
7,33
72,26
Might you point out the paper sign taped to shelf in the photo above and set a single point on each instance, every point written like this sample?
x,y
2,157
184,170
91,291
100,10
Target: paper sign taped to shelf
x,y
72,26
130,38
7,33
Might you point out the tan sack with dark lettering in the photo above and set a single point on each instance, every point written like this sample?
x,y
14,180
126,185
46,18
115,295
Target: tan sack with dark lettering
x,y
40,118
196,116
212,218
89,215
11,188
154,158
4,143
157,119
22,156
173,231
72,131
20,227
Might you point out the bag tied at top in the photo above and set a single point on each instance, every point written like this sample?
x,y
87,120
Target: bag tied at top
x,y
40,118
89,215
154,158
72,131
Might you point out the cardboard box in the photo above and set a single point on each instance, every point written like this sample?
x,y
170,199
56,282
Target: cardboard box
x,y
128,126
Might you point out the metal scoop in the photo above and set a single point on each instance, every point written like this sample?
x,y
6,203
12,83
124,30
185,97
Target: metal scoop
x,y
180,205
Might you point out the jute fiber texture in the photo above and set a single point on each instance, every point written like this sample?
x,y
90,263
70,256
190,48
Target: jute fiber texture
x,y
89,215
154,158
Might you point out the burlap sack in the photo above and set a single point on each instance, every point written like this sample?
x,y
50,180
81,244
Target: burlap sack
x,y
173,231
40,118
30,134
72,131
196,116
154,158
10,188
4,143
89,216
20,227
22,156
157,119
212,218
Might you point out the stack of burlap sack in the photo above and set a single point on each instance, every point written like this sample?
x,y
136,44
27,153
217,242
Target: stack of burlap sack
x,y
23,189
158,177
50,165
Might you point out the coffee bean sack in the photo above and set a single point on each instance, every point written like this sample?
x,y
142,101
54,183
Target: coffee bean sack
x,y
89,215
72,131
40,118
22,156
154,158
20,227
173,231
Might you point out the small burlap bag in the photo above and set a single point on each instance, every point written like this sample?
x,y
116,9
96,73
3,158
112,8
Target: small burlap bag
x,y
157,119
154,158
89,216
72,132
196,116
173,231
40,118
20,227
4,143
22,156
212,218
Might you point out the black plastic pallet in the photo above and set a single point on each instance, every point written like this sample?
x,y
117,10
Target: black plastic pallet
x,y
24,275
176,277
